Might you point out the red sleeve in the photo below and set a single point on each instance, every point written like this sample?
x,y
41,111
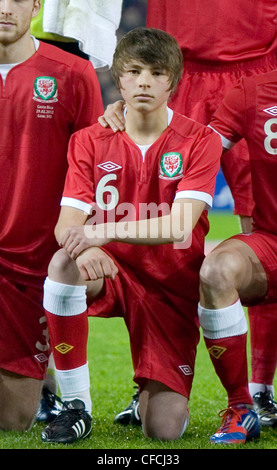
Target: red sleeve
x,y
79,179
234,120
88,98
237,173
230,119
200,174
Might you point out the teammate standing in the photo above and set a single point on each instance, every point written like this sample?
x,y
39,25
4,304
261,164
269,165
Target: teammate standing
x,y
46,94
130,266
242,270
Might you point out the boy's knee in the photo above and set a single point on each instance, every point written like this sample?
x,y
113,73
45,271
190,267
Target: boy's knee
x,y
219,270
19,401
17,419
164,413
59,264
165,427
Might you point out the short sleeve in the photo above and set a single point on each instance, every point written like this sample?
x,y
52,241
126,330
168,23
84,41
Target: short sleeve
x,y
199,177
230,119
79,188
88,97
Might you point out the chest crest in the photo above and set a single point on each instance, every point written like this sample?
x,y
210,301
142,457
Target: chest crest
x,y
171,166
45,90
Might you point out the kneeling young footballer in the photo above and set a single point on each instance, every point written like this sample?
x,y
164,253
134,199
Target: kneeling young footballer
x,y
131,230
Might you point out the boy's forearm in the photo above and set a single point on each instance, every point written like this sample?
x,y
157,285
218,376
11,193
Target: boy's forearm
x,y
69,217
154,231
175,227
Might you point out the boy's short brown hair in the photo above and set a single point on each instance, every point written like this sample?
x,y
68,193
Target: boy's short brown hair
x,y
152,47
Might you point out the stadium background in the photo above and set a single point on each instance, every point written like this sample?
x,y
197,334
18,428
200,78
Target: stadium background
x,y
133,15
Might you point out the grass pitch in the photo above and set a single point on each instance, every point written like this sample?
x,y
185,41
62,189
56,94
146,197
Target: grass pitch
x,y
112,389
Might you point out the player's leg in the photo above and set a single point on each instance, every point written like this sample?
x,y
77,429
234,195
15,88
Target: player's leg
x,y
50,404
131,414
65,302
24,353
19,399
164,413
163,336
263,321
263,326
230,273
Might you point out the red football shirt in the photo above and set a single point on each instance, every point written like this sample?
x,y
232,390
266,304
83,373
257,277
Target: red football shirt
x,y
220,30
108,168
42,102
250,111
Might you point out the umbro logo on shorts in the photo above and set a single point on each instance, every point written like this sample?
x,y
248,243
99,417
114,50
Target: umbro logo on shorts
x,y
41,357
186,370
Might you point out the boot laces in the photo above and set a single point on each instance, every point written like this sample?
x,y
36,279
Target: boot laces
x,y
229,416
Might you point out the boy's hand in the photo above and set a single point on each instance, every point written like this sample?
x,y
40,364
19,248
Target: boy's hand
x,y
113,117
81,237
95,264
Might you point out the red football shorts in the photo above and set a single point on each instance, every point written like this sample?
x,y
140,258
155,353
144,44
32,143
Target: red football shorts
x,y
163,329
24,347
264,244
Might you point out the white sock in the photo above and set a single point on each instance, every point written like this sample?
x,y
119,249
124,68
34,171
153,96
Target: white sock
x,y
256,387
186,423
68,300
223,322
64,299
75,383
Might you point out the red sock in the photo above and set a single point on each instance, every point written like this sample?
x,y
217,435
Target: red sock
x,y
263,329
68,338
228,356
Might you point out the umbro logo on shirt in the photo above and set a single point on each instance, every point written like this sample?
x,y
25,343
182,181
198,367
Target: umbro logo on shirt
x,y
109,166
272,110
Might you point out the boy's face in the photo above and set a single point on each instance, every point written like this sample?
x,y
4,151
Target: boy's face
x,y
15,18
144,87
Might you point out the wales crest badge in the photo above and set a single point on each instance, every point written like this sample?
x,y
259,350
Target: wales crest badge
x,y
45,90
171,165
